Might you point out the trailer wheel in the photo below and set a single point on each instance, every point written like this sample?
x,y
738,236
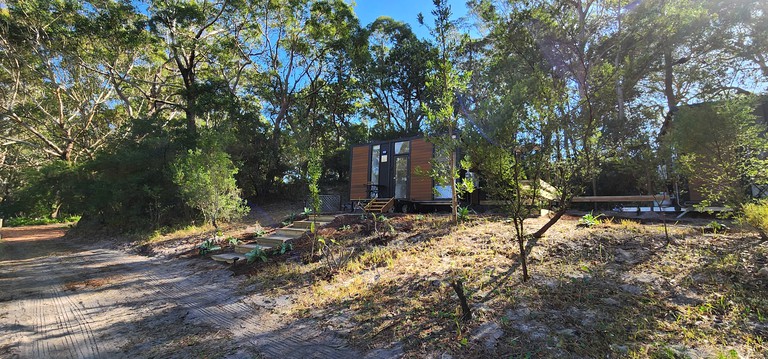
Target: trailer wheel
x,y
405,208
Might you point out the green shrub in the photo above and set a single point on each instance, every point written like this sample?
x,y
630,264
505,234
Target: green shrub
x,y
130,188
23,221
256,253
206,181
463,214
716,226
233,241
756,216
285,247
48,192
209,245
589,220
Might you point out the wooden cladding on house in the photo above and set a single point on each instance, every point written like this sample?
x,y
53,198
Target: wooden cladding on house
x,y
421,183
359,172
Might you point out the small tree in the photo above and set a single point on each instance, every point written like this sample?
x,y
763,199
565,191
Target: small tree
x,y
206,181
314,172
756,216
445,82
719,147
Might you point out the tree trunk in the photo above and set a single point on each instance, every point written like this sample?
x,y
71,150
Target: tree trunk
x,y
56,208
454,200
191,120
458,287
669,90
550,223
523,255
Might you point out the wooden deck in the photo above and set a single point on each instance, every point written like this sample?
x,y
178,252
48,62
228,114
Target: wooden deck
x,y
619,199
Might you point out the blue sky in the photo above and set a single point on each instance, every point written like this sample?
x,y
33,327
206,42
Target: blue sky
x,y
404,10
369,10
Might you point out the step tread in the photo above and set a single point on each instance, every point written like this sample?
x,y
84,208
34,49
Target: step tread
x,y
290,234
277,236
322,218
290,229
245,248
228,257
272,239
319,223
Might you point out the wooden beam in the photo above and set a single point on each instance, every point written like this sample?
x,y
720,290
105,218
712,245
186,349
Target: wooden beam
x,y
638,198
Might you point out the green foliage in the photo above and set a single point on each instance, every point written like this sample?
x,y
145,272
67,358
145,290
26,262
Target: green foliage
x,y
24,221
463,214
314,171
382,226
716,226
590,220
466,185
131,188
104,99
205,177
207,246
393,68
285,247
263,255
233,241
335,257
445,82
291,218
718,146
50,191
756,215
256,253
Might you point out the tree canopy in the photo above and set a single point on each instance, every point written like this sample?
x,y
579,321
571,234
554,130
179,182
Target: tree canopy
x,y
102,100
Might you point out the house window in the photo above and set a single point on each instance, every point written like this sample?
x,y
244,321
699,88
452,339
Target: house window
x,y
401,176
442,190
375,162
402,148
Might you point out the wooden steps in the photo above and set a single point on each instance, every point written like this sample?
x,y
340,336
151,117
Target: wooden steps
x,y
245,248
228,257
290,232
322,218
274,240
380,205
308,223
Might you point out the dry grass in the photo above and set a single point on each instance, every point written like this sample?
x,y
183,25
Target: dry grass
x,y
174,234
617,289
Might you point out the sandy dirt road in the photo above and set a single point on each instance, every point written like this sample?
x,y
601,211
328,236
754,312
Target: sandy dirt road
x,y
62,299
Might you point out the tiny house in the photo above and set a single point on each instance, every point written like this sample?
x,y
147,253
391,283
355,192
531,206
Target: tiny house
x,y
397,169
708,172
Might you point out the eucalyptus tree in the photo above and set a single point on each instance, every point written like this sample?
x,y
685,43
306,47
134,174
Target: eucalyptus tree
x,y
304,45
393,73
697,51
50,99
744,26
198,37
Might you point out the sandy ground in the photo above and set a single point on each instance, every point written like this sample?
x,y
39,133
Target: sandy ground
x,y
63,299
